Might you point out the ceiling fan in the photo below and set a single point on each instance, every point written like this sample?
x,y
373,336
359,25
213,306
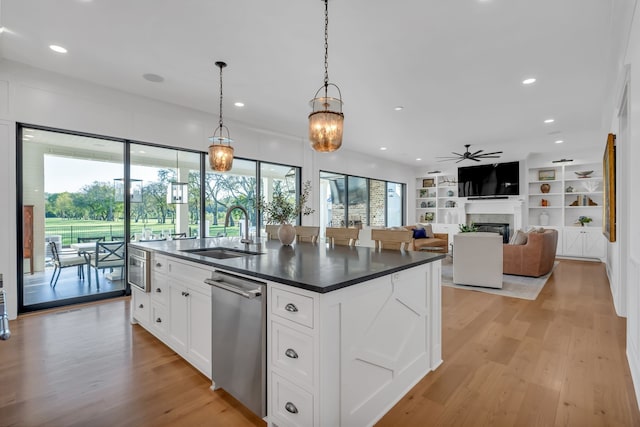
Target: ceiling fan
x,y
467,155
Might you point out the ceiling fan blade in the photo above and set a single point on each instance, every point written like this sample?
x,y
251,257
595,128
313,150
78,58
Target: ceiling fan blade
x,y
448,159
489,154
476,153
474,159
460,160
487,157
457,154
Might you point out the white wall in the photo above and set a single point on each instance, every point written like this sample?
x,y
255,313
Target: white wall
x,y
629,179
34,96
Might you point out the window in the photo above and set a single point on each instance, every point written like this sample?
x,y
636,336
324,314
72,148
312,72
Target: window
x,y
351,201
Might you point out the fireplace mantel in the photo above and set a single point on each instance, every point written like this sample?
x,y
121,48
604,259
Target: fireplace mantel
x,y
498,207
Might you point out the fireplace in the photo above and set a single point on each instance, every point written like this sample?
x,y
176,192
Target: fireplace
x,y
495,227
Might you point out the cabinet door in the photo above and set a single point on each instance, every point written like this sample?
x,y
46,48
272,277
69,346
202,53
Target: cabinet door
x,y
178,319
141,306
199,329
573,242
594,243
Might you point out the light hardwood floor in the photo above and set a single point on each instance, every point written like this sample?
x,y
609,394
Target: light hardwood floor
x,y
558,360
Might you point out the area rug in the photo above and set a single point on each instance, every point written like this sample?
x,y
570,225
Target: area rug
x,y
512,286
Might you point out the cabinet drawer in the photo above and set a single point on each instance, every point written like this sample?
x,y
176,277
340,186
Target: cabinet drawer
x,y
160,264
295,307
291,403
292,352
159,288
141,306
159,319
190,275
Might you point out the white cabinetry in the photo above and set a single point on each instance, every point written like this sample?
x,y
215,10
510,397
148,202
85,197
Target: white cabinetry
x,y
584,242
189,331
177,310
345,357
558,196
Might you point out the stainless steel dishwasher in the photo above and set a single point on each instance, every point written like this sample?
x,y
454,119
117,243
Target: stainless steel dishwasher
x,y
238,344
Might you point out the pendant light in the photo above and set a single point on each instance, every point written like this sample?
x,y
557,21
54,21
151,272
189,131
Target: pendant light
x,y
177,192
220,150
326,118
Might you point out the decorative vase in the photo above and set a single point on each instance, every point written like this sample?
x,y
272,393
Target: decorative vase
x,y
544,218
545,188
286,234
450,193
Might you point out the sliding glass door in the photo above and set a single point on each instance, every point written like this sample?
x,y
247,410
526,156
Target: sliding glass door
x,y
68,205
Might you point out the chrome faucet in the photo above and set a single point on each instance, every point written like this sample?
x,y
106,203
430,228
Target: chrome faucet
x,y
246,222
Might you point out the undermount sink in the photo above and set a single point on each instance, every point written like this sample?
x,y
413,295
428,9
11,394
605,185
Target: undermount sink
x,y
221,253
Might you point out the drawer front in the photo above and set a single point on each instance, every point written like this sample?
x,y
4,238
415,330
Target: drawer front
x,y
160,264
291,306
159,319
292,353
290,403
191,276
159,288
141,306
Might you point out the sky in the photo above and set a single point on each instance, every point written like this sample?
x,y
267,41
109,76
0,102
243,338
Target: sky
x,y
67,174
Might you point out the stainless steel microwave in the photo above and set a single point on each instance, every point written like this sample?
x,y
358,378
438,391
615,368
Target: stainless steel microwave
x,y
138,269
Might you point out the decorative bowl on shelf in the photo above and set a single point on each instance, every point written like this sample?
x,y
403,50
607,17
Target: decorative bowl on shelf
x,y
583,174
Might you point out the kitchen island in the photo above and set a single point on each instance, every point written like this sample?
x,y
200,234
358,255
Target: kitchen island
x,y
349,329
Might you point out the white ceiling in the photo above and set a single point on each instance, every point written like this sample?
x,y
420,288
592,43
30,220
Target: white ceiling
x,y
455,66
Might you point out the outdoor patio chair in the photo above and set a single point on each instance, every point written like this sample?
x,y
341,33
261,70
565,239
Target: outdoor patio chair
x,y
64,261
107,255
91,239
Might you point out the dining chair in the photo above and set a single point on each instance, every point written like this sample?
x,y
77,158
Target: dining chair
x,y
342,236
272,231
107,255
305,233
391,239
63,261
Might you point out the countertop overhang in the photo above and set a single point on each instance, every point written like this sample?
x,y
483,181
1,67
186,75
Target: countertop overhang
x,y
316,267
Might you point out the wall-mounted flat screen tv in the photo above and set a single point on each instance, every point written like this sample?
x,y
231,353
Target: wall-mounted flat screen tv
x,y
497,179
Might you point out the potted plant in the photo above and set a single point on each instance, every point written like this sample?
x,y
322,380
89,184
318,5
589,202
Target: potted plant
x,y
283,209
584,220
464,228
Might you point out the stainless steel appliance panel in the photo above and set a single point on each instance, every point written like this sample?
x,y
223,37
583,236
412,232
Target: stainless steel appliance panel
x,y
239,339
138,269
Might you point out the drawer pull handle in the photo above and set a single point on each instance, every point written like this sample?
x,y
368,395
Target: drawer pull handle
x,y
141,306
158,320
290,407
291,353
158,290
291,308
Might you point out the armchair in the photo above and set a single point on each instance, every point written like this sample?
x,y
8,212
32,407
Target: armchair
x,y
535,258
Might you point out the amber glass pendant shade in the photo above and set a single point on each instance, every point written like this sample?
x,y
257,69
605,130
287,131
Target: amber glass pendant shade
x,y
220,157
325,124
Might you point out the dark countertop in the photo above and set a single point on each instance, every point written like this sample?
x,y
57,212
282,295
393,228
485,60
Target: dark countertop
x,y
311,266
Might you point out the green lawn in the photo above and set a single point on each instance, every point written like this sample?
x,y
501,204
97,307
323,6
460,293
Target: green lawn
x,y
70,230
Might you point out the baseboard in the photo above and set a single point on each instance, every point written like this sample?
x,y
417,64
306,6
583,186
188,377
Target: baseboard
x,y
634,368
573,258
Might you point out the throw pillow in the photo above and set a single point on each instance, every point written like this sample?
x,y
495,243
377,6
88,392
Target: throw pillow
x,y
519,238
419,233
429,231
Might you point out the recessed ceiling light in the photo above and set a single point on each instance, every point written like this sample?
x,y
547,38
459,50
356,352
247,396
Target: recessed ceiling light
x,y
549,121
528,81
418,159
239,104
398,108
383,148
56,48
559,141
155,78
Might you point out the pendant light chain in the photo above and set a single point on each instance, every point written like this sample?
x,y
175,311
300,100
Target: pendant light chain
x,y
220,122
326,46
